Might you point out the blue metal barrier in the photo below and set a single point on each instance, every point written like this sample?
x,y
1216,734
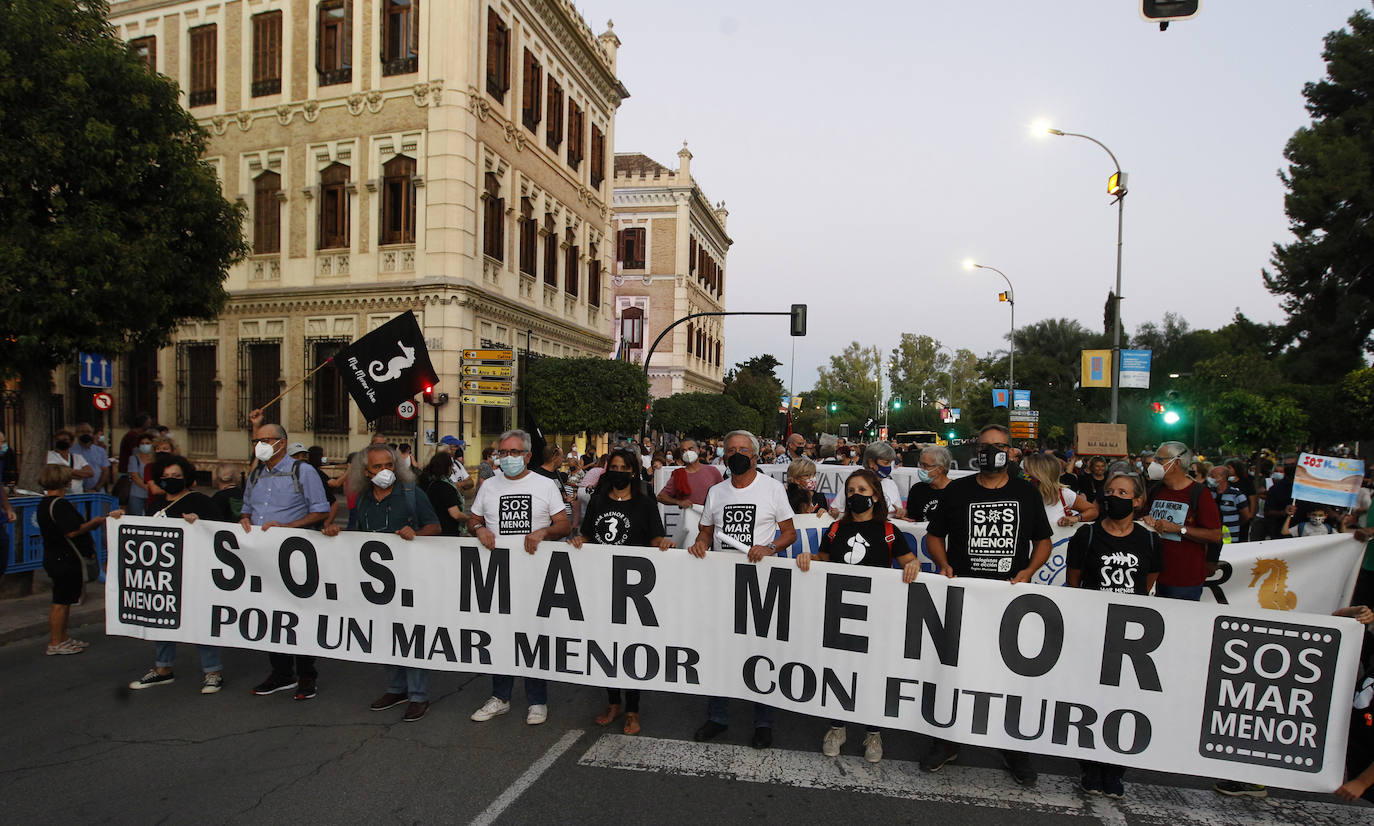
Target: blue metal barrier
x,y
24,542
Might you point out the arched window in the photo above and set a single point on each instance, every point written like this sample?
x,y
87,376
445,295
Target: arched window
x,y
398,201
632,327
266,213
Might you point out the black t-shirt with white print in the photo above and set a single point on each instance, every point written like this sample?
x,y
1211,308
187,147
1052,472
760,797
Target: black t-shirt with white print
x,y
631,522
988,532
1120,564
861,543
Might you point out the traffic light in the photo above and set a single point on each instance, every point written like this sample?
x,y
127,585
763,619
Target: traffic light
x,y
897,403
834,407
433,398
798,319
951,434
1170,417
429,394
1157,407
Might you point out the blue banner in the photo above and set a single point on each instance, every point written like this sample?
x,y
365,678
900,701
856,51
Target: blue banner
x,y
1135,369
1021,399
999,397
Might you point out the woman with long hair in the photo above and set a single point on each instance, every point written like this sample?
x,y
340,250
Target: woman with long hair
x,y
862,536
621,513
1064,506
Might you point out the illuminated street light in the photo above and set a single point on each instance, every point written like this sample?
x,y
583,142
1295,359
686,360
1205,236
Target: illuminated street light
x,y
1010,297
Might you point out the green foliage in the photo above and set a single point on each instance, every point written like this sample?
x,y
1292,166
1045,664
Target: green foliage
x,y
753,384
1355,403
1323,278
851,380
113,230
703,415
1245,421
572,395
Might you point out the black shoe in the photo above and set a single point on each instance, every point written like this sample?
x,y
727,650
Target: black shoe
x,y
1091,781
1020,767
274,683
708,731
763,738
939,754
306,689
415,711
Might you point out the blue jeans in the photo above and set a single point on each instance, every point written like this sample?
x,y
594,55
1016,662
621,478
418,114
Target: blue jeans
x,y
1192,593
209,656
412,682
536,690
718,711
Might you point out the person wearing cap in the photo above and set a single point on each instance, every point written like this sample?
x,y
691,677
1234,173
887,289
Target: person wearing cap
x,y
314,457
462,479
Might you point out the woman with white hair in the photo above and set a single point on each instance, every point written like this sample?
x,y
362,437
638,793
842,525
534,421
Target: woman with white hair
x,y
932,477
801,487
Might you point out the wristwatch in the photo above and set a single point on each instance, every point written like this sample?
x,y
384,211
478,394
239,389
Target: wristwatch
x,y
1182,530
770,546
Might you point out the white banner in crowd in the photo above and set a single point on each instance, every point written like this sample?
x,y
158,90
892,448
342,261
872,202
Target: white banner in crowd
x,y
1212,691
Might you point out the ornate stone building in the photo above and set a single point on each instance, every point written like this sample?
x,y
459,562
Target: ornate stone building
x,y
446,157
670,262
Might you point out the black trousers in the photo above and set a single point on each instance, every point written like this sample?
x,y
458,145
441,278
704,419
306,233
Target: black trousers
x,y
293,665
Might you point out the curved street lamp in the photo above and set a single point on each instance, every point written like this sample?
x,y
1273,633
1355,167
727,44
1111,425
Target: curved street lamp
x,y
1116,186
970,264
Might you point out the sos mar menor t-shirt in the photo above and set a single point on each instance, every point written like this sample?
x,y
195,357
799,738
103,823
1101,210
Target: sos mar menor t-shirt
x,y
517,507
750,515
1120,564
630,522
988,532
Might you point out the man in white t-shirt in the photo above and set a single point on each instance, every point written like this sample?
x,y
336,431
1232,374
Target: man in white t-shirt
x,y
62,454
743,514
517,503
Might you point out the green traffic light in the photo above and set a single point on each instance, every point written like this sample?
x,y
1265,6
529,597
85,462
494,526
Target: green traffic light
x,y
897,404
951,434
1170,417
834,406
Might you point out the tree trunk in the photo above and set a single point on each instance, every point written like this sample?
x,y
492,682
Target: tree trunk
x,y
35,389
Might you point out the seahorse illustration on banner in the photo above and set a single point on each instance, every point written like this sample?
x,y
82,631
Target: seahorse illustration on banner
x,y
396,365
1273,593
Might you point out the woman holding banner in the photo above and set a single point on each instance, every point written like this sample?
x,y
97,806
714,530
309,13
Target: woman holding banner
x,y
621,513
1117,555
862,536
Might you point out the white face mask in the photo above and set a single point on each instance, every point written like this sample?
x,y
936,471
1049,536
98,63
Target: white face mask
x,y
689,457
264,451
1156,471
383,478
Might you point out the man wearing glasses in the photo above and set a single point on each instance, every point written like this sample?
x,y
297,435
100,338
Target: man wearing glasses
x,y
517,503
278,494
989,526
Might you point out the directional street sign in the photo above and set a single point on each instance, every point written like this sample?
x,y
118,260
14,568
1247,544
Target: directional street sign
x,y
495,370
96,370
488,386
488,401
102,401
488,355
1025,415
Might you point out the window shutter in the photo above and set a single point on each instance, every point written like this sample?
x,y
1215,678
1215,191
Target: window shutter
x,y
414,15
320,18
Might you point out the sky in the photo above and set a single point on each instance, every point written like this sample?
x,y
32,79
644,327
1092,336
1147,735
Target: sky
x,y
864,151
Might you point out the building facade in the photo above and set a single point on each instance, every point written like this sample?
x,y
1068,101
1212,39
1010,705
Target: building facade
x,y
671,245
446,157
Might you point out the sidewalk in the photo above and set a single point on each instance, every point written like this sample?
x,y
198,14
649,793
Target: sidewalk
x,y
25,617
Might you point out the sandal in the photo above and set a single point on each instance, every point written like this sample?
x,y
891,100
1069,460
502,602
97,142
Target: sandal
x,y
612,711
631,722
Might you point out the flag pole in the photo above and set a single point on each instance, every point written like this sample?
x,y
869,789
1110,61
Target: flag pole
x,y
279,396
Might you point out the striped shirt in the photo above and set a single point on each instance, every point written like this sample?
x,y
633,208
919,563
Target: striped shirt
x,y
1229,503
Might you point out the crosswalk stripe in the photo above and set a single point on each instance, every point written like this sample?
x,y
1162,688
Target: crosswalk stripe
x,y
988,788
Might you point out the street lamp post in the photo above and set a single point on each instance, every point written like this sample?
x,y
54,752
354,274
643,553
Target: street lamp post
x,y
970,264
1116,185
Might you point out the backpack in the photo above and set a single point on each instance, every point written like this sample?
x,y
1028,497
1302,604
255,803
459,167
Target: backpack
x,y
890,537
258,471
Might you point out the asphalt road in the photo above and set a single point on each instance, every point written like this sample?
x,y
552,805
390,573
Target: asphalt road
x,y
78,746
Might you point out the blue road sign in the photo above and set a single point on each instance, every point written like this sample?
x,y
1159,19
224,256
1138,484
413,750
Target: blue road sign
x,y
96,370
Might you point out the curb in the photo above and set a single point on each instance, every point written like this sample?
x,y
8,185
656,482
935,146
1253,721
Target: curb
x,y
87,614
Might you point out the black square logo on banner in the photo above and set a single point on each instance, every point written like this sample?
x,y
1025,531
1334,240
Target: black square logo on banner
x,y
150,576
1269,687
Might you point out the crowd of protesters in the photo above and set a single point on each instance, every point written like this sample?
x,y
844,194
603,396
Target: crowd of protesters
x,y
1154,524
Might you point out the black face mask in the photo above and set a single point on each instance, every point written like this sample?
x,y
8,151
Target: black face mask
x,y
162,458
738,463
62,444
173,486
1118,507
85,438
618,479
992,459
859,503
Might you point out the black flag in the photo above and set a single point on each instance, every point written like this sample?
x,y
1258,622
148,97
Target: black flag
x,y
386,366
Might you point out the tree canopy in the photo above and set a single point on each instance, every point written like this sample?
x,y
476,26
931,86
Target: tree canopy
x,y
572,395
1323,277
703,415
754,384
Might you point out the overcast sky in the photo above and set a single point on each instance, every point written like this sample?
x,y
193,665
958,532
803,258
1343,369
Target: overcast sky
x,y
865,149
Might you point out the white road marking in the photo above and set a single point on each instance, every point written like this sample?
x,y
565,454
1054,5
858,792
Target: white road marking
x,y
988,788
524,781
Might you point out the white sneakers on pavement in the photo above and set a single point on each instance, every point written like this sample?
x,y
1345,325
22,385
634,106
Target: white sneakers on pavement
x,y
834,738
493,708
873,747
536,715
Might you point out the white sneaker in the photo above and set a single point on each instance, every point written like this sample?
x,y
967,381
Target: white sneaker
x,y
536,715
834,738
873,747
493,708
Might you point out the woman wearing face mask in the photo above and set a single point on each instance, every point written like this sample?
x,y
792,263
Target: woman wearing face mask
x,y
932,477
177,478
620,513
801,488
440,482
862,536
1116,555
1063,507
163,451
139,462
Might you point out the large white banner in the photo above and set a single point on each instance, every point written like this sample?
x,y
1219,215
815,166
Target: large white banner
x,y
1214,691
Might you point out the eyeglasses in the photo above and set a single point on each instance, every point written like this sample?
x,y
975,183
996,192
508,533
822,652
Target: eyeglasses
x,y
265,441
504,453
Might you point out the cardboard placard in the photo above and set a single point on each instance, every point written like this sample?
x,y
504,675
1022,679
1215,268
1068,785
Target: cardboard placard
x,y
1099,439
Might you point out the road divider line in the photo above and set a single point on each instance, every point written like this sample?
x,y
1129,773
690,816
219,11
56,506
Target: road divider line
x,y
524,781
959,785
